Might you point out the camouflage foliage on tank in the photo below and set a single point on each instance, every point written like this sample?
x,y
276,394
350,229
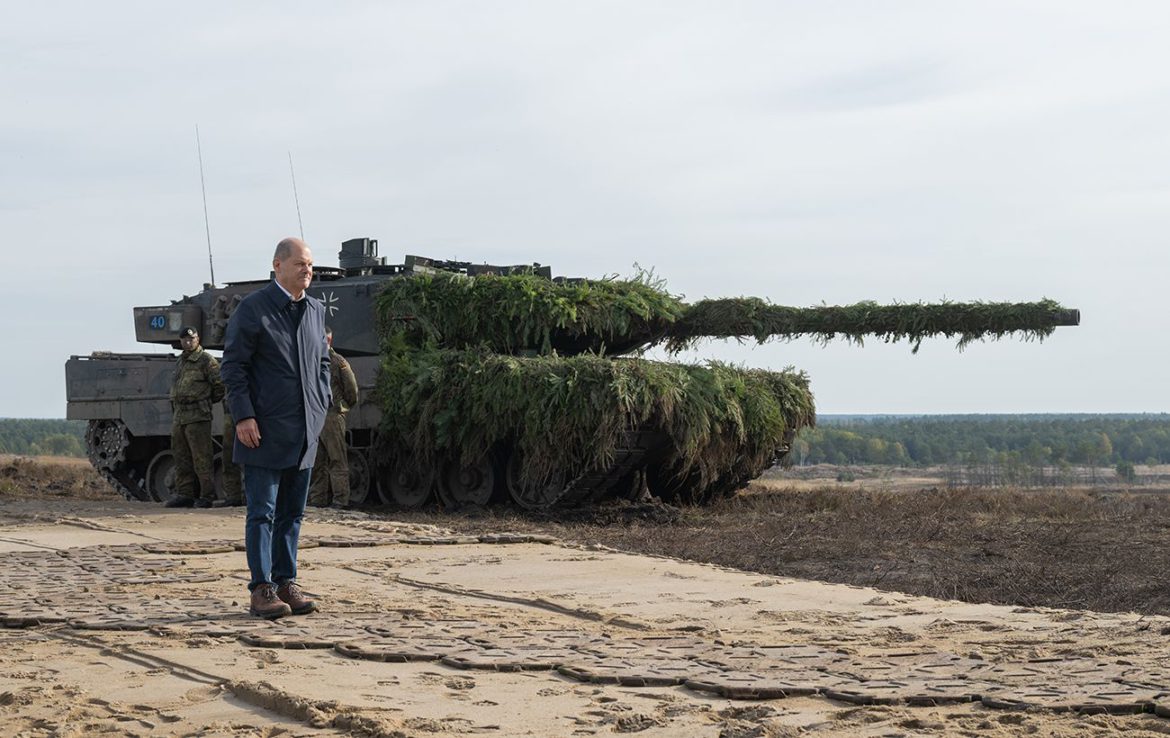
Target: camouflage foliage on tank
x,y
752,317
571,412
526,312
473,363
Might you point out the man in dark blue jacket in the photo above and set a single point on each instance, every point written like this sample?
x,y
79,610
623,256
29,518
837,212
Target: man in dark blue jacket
x,y
276,371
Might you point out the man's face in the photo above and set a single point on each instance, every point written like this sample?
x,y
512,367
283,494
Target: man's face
x,y
296,271
189,342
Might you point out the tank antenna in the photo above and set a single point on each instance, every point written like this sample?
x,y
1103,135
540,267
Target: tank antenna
x,y
203,186
296,199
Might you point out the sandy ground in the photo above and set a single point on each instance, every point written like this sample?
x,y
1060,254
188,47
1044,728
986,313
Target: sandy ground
x,y
128,619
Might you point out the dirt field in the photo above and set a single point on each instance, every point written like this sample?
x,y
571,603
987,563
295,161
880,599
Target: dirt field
x,y
1086,548
826,603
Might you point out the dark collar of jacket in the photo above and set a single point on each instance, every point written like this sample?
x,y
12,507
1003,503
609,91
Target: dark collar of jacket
x,y
280,298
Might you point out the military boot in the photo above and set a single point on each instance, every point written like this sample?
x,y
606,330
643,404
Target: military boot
x,y
265,603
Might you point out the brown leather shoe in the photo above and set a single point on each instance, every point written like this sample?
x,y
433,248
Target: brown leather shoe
x,y
295,597
266,603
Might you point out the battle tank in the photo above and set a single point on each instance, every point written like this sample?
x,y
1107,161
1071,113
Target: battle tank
x,y
485,383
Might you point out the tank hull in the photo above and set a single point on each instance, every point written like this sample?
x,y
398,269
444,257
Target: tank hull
x,y
125,399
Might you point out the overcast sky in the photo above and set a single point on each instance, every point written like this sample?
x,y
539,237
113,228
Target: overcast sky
x,y
805,152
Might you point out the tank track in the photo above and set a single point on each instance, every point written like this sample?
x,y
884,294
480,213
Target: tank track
x,y
635,451
106,444
121,479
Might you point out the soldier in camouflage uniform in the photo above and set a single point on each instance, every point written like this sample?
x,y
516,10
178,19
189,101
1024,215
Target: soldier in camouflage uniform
x,y
195,387
332,467
233,481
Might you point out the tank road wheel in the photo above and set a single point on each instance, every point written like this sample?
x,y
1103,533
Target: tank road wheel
x,y
474,484
359,478
528,495
401,485
160,476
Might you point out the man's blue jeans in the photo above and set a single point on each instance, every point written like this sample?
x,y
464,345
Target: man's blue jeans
x,y
276,504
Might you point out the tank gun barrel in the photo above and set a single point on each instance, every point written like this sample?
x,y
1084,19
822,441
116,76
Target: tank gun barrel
x,y
971,321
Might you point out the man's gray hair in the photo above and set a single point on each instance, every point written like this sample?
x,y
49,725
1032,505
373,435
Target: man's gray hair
x,y
284,249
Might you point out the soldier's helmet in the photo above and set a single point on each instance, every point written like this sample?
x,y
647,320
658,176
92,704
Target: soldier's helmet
x,y
188,331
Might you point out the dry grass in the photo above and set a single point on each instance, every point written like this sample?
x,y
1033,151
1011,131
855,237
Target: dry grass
x,y
52,476
1063,548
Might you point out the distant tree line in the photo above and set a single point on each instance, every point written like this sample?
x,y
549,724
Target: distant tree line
x,y
1023,443
34,437
1013,446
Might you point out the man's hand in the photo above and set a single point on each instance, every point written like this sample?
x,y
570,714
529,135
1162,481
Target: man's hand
x,y
248,432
